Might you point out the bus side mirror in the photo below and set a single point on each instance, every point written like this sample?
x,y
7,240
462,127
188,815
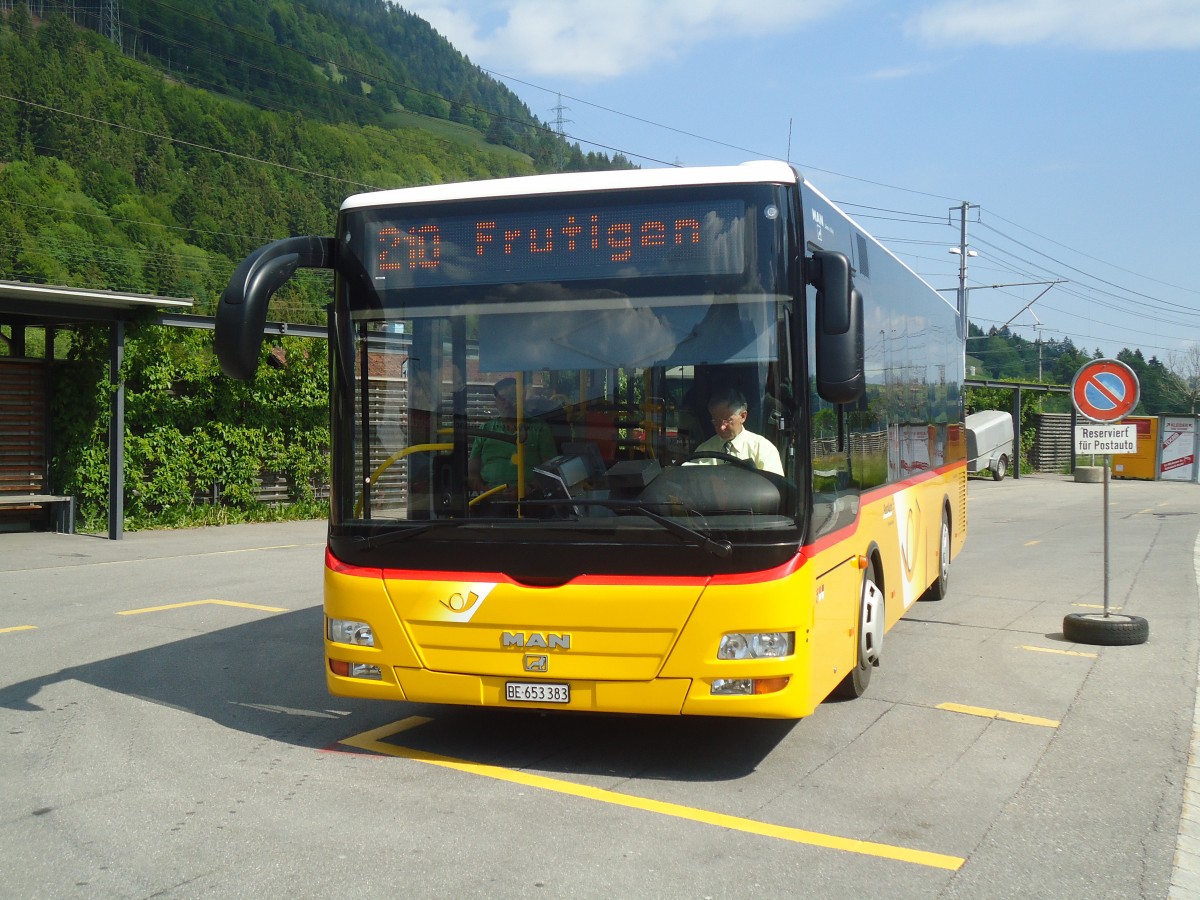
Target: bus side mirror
x,y
841,375
242,310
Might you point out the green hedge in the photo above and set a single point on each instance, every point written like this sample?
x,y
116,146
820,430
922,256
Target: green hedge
x,y
191,435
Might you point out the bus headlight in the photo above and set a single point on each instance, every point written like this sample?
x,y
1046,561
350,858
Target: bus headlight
x,y
347,631
757,645
748,686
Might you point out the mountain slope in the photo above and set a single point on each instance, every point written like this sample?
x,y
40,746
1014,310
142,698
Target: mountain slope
x,y
118,172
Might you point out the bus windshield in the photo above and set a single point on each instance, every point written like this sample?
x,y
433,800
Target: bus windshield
x,y
636,389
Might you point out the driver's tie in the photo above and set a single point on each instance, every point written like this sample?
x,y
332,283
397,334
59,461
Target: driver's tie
x,y
729,449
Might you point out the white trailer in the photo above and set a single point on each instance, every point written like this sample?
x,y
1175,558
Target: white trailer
x,y
990,442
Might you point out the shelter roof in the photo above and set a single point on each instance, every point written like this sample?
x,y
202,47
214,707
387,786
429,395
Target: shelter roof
x,y
47,304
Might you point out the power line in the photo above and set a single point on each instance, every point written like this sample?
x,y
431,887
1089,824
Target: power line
x,y
902,216
531,123
183,143
1080,271
561,132
1096,290
710,140
1094,258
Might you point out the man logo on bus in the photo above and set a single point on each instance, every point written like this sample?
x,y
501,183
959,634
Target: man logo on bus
x,y
538,663
823,230
535,640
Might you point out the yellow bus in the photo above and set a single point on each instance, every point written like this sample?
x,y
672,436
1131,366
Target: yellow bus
x,y
671,441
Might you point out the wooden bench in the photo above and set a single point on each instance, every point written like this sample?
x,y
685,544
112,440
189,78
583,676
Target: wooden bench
x,y
23,447
62,509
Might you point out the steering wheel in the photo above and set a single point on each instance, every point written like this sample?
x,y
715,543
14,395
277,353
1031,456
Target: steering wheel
x,y
717,454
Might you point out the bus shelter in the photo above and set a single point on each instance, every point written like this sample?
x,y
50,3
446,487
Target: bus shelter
x,y
25,455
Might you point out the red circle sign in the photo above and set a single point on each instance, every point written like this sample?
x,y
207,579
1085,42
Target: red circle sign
x,y
1105,390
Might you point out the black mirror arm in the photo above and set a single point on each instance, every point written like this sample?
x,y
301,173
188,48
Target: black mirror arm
x,y
242,309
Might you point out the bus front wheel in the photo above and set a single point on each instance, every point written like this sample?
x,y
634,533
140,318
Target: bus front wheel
x,y
870,637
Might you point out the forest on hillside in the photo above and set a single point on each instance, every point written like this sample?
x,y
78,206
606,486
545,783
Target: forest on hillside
x,y
151,161
155,170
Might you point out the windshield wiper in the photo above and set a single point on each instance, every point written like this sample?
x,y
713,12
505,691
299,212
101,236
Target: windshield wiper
x,y
719,549
404,534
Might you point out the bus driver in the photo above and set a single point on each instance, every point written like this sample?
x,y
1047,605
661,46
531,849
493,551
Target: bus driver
x,y
727,408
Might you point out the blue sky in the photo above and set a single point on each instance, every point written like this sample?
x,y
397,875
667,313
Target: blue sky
x,y
1074,125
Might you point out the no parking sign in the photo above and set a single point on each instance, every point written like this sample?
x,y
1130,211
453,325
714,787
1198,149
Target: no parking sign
x,y
1105,390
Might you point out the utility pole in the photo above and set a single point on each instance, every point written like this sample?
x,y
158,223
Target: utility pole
x,y
1037,325
963,252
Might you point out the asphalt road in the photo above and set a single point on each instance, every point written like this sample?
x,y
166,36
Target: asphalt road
x,y
166,733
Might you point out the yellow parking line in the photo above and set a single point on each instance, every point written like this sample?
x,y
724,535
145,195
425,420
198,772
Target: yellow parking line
x,y
1060,652
1094,605
998,714
1031,543
150,609
372,740
18,628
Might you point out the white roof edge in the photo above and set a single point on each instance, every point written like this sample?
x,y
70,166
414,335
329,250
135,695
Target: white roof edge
x,y
18,290
759,171
878,243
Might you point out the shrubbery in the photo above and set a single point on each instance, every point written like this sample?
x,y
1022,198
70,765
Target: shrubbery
x,y
192,436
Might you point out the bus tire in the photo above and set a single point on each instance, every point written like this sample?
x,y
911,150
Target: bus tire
x,y
1107,631
937,590
870,638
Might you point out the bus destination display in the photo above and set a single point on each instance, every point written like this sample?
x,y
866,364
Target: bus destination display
x,y
560,244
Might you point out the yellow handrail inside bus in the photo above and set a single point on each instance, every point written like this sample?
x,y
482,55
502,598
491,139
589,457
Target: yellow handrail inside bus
x,y
488,493
395,458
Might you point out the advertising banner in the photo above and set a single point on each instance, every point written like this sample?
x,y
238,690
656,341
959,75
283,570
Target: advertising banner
x,y
1177,448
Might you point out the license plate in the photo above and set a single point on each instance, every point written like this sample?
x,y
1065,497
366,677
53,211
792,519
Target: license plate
x,y
536,692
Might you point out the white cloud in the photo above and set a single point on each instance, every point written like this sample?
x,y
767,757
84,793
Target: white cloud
x,y
898,73
1089,24
599,39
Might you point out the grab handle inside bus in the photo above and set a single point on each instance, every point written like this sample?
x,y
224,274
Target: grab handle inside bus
x,y
841,376
242,310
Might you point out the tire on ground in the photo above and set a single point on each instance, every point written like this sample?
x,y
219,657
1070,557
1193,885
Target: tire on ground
x,y
1108,631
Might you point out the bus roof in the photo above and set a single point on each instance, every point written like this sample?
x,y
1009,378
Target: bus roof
x,y
758,172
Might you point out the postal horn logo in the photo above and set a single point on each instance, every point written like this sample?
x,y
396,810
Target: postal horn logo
x,y
458,603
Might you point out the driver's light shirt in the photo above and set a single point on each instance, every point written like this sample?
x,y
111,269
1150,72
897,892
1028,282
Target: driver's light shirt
x,y
747,445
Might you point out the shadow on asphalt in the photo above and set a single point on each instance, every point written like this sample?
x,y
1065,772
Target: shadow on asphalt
x,y
266,678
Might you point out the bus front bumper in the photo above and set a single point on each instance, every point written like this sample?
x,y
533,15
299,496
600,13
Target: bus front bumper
x,y
787,699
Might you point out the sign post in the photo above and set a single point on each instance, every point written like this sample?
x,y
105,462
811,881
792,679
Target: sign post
x,y
1105,391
